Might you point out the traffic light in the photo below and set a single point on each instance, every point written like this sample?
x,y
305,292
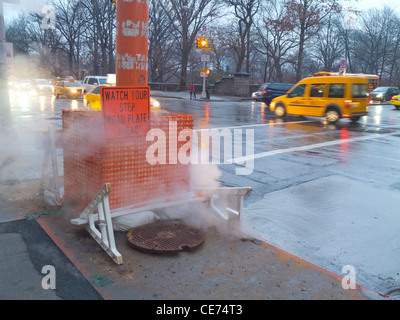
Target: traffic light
x,y
205,72
202,43
114,2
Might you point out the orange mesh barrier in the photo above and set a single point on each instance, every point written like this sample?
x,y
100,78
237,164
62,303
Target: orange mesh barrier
x,y
90,161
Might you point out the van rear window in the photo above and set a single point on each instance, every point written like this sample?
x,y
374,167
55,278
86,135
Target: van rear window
x,y
336,90
359,90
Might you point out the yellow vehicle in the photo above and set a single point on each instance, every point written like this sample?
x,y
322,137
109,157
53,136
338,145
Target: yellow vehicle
x,y
330,97
92,100
69,89
395,101
373,79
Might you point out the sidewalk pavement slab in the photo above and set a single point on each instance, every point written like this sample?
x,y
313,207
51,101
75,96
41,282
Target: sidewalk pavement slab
x,y
226,266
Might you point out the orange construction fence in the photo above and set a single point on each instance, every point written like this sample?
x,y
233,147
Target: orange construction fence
x,y
90,161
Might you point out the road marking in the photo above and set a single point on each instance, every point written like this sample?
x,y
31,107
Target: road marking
x,y
311,146
252,125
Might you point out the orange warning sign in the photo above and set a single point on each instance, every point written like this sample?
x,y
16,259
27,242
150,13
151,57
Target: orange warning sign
x,y
126,111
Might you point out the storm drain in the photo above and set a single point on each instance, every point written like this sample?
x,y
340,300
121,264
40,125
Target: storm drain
x,y
165,237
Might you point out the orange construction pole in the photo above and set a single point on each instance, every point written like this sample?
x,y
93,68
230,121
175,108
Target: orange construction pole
x,y
132,42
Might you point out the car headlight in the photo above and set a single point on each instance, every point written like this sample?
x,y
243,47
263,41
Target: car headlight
x,y
379,95
73,91
156,104
272,104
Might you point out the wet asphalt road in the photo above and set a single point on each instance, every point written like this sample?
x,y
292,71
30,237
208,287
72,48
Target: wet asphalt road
x,y
286,153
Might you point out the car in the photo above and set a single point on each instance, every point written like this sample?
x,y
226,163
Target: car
x,y
23,85
383,94
395,101
92,99
69,89
332,97
41,86
271,90
92,81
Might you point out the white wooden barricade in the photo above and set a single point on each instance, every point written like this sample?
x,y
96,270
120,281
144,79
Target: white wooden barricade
x,y
105,234
50,178
232,199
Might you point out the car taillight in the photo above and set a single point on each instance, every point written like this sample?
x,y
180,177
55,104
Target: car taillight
x,y
264,92
392,98
347,103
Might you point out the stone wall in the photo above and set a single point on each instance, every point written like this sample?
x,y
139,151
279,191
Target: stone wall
x,y
238,85
241,84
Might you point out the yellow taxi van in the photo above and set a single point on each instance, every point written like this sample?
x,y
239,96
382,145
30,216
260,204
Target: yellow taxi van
x,y
331,97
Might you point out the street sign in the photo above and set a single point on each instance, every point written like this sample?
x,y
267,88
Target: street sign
x,y
205,57
342,71
126,111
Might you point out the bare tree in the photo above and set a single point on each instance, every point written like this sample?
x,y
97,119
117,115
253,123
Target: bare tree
x,y
276,39
71,23
244,11
305,17
186,19
161,42
328,47
100,34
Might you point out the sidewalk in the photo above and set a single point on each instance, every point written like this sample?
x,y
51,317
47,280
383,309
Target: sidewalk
x,y
224,267
186,96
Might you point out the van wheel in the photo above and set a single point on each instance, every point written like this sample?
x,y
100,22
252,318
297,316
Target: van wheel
x,y
332,116
355,119
280,110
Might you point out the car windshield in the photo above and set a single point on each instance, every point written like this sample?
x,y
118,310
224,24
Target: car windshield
x,y
380,89
103,81
73,84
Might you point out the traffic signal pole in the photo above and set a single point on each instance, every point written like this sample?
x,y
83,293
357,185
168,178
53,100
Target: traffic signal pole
x,y
203,93
132,43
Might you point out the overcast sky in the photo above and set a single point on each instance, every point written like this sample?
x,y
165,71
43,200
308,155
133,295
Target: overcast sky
x,y
12,10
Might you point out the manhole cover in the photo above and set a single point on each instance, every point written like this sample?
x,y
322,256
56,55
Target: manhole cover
x,y
165,237
393,293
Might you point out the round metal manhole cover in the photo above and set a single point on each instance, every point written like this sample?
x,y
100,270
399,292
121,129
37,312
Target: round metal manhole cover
x,y
165,237
393,293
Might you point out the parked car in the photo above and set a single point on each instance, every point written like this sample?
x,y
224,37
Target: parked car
x,y
271,90
69,89
92,100
92,81
383,94
395,101
332,97
41,86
